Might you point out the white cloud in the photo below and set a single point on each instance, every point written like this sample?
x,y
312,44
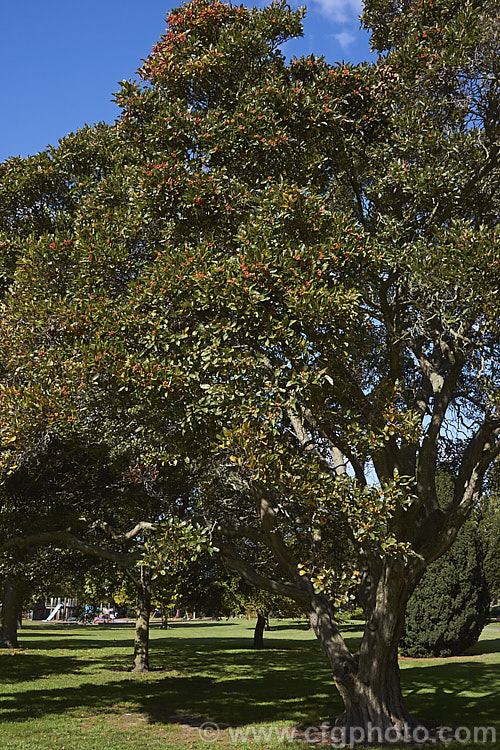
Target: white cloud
x,y
341,11
345,39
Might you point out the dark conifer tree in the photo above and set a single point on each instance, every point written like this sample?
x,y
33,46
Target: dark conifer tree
x,y
449,608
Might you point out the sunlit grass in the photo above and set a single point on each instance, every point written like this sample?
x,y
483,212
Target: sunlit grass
x,y
70,686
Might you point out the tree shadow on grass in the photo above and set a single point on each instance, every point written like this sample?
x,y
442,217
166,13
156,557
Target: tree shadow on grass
x,y
70,643
276,627
486,646
199,623
75,637
454,693
24,667
351,627
171,650
71,636
241,691
221,656
245,688
225,680
221,678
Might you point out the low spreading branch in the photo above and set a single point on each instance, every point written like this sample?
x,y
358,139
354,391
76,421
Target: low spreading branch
x,y
234,561
68,539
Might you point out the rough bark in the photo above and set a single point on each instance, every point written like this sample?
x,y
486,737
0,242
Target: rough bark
x,y
10,613
369,681
141,643
258,635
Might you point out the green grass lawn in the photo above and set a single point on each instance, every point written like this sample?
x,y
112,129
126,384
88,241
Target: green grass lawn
x,y
69,687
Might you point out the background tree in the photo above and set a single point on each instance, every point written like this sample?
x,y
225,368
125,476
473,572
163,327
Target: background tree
x,y
13,595
490,535
203,586
70,492
34,574
450,606
168,554
490,532
59,491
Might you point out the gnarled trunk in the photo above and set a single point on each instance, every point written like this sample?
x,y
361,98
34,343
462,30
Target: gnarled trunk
x,y
141,643
11,604
369,680
258,635
372,697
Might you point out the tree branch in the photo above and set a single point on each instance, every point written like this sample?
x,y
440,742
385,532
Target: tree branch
x,y
129,535
240,532
309,446
233,560
426,471
67,539
271,534
391,325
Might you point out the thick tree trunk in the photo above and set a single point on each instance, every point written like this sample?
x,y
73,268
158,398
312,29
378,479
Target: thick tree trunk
x,y
369,681
10,614
141,644
373,700
258,635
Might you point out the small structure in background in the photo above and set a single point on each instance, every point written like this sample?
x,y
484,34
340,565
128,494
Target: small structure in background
x,y
55,608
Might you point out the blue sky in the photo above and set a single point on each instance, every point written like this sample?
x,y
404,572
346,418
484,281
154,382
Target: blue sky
x,y
61,61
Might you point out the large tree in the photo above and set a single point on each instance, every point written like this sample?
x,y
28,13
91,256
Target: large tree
x,y
287,280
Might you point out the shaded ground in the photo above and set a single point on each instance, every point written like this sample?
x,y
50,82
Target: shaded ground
x,y
69,687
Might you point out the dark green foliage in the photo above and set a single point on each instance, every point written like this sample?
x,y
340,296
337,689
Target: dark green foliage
x,y
490,531
490,528
450,606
